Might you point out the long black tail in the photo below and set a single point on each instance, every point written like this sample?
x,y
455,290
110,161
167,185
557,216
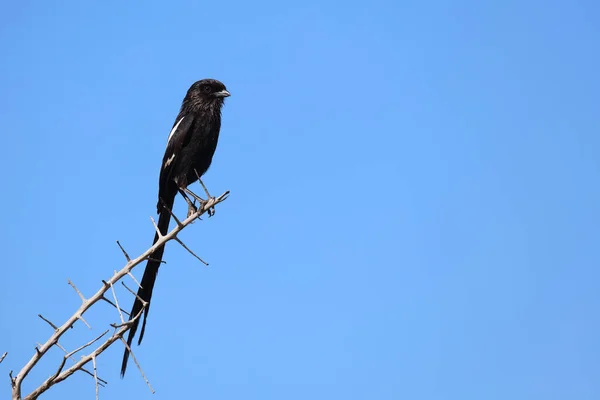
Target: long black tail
x,y
147,284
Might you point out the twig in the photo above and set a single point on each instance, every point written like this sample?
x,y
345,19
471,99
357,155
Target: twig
x,y
58,370
135,280
190,251
124,252
79,365
70,355
144,302
86,345
49,323
138,365
95,374
102,381
77,290
3,356
59,331
160,235
114,305
84,321
116,301
173,215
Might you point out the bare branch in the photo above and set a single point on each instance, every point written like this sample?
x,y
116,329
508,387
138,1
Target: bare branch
x,y
86,345
144,302
59,370
135,280
3,356
114,305
102,381
138,365
160,235
116,302
77,290
84,360
49,323
84,321
59,331
95,374
124,252
190,251
173,215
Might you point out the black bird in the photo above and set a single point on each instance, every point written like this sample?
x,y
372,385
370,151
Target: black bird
x,y
190,149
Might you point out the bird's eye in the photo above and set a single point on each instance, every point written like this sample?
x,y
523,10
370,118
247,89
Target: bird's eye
x,y
206,89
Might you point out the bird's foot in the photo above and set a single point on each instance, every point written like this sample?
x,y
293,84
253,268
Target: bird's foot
x,y
192,209
210,199
211,209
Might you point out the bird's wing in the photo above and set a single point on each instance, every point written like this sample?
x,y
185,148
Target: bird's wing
x,y
178,138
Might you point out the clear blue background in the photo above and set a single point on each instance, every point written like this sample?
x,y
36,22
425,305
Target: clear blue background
x,y
414,208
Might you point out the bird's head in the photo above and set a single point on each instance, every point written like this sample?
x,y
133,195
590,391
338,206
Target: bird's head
x,y
208,91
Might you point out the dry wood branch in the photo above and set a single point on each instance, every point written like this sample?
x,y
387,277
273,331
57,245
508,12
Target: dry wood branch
x,y
133,278
138,365
49,323
124,252
59,331
144,302
116,301
77,290
114,305
173,216
3,356
88,344
78,366
102,381
95,375
156,228
84,321
190,251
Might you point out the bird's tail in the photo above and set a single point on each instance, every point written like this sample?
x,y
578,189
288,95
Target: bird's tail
x,y
147,284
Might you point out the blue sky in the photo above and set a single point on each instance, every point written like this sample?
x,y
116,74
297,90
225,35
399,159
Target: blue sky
x,y
414,195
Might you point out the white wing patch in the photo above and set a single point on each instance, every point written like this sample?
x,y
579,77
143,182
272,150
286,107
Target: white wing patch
x,y
174,130
169,161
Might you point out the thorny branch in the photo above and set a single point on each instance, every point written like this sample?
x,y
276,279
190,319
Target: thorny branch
x,y
119,330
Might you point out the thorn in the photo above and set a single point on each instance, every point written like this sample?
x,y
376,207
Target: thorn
x,y
48,322
79,317
144,302
124,252
160,235
173,215
138,364
77,290
135,280
190,251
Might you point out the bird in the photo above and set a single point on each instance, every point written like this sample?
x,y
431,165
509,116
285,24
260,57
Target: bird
x,y
190,149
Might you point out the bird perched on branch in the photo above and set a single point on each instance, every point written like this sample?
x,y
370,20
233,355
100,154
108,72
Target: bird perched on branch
x,y
190,148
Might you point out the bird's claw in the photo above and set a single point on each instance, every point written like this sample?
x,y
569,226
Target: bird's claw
x,y
192,209
210,210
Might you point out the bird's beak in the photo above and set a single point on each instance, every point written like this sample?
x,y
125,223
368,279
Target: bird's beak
x,y
222,93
